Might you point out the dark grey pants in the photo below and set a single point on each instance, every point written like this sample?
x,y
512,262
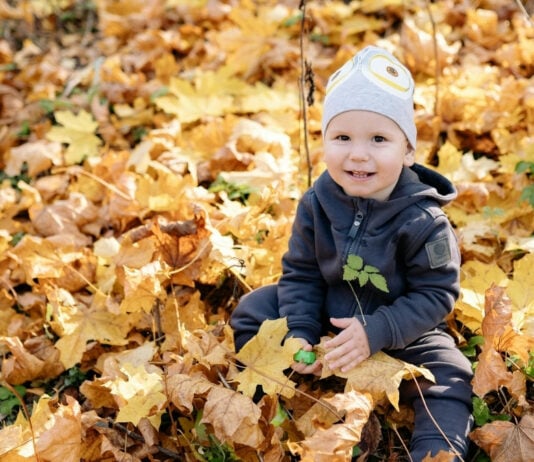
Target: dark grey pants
x,y
445,408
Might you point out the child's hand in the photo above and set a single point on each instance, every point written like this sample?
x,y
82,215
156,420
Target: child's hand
x,y
348,348
303,368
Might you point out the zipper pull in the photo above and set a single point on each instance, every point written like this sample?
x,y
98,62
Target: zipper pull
x,y
356,225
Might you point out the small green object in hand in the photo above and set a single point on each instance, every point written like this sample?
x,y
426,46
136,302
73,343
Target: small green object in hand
x,y
305,357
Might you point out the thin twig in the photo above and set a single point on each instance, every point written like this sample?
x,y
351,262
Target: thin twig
x,y
394,427
27,415
437,69
302,98
456,453
524,11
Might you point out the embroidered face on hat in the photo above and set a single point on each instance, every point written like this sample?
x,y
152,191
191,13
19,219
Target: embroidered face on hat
x,y
373,80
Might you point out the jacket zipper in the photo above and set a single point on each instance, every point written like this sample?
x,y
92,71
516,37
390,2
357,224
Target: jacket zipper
x,y
358,218
353,232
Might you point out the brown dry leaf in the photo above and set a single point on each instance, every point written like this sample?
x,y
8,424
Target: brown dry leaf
x,y
265,359
506,441
38,156
498,313
21,366
183,388
63,435
441,456
380,376
491,372
335,442
421,47
205,348
142,287
234,417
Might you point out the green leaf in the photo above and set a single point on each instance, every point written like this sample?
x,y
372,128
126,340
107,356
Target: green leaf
x,y
355,262
280,416
363,278
371,269
481,411
349,274
379,282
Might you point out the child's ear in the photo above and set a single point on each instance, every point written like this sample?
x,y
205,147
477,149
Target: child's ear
x,y
409,157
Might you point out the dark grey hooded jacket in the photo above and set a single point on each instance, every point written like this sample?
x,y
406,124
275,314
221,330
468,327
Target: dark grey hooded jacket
x,y
408,238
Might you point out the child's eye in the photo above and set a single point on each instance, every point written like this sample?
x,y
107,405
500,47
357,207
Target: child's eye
x,y
343,137
379,139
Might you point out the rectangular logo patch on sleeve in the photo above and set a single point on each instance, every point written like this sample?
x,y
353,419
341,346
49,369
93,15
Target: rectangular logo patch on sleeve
x,y
439,252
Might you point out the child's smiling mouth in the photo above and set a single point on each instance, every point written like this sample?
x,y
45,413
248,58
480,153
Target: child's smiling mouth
x,y
360,175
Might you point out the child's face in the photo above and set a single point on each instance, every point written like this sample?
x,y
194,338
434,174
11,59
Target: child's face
x,y
365,152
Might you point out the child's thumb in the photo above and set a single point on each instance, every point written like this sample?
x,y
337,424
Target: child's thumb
x,y
341,322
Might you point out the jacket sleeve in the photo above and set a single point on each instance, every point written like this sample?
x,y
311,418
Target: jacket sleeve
x,y
302,288
431,264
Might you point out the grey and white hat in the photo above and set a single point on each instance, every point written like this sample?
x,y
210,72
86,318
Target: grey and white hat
x,y
373,80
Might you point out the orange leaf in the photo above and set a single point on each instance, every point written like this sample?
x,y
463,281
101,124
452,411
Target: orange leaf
x,y
21,366
506,441
336,442
234,417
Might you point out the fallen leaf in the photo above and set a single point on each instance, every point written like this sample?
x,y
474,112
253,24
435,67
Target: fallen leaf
x,y
78,131
234,417
265,359
506,441
380,376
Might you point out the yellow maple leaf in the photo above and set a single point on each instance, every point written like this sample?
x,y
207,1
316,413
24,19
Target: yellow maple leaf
x,y
380,376
142,287
265,359
211,94
521,292
476,278
76,324
139,395
78,131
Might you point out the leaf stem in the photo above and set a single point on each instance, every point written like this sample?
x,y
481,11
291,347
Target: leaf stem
x,y
358,302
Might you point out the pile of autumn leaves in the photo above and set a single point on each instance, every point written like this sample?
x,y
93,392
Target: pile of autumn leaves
x,y
151,178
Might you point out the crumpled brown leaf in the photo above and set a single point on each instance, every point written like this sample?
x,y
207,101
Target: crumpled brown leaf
x,y
506,441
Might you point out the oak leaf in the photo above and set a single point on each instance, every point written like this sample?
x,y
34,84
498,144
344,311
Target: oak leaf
x,y
265,358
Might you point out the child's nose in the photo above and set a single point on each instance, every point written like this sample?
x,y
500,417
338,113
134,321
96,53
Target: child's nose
x,y
358,153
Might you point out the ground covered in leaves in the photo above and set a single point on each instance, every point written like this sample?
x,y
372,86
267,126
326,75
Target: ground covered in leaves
x,y
152,153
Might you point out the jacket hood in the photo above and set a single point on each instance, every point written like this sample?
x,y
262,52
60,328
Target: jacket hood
x,y
416,183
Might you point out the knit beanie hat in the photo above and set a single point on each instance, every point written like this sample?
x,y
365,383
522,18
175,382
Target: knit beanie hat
x,y
373,80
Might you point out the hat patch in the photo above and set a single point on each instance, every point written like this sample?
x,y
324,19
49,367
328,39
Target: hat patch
x,y
339,76
388,75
